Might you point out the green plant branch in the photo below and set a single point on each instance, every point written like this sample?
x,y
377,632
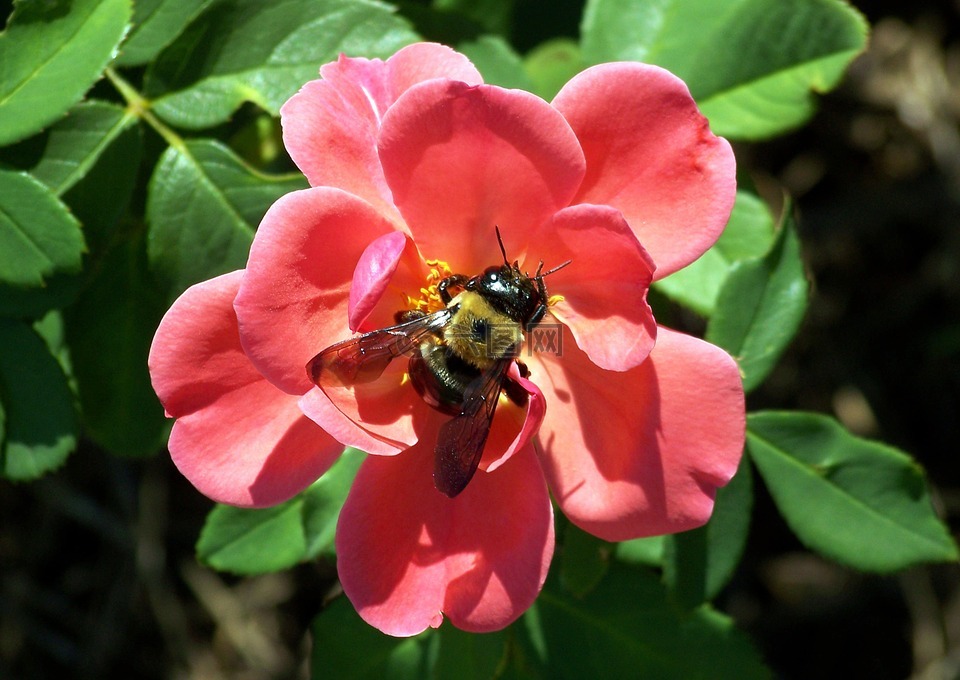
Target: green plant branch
x,y
139,106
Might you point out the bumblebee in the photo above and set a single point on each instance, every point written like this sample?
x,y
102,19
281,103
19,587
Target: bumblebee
x,y
459,358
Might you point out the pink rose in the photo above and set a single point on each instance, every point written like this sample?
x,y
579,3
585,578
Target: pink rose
x,y
413,162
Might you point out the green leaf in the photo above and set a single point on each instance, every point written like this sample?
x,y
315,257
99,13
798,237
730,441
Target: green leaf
x,y
493,15
52,331
344,646
32,303
76,142
323,500
752,65
468,656
584,560
347,648
749,233
202,207
700,562
761,305
263,52
115,167
156,24
551,64
50,54
41,423
497,62
627,627
256,541
858,502
646,551
109,330
38,235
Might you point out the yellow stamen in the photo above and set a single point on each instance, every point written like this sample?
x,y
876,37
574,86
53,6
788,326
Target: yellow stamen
x,y
429,300
554,300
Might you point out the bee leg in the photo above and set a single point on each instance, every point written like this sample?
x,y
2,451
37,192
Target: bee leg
x,y
457,280
405,315
515,393
537,316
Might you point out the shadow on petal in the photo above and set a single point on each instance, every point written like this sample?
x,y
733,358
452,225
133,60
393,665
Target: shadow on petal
x,y
407,552
642,452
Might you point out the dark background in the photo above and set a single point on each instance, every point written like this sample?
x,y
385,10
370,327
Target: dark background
x,y
97,575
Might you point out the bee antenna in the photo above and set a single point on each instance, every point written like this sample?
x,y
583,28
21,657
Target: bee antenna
x,y
551,271
500,242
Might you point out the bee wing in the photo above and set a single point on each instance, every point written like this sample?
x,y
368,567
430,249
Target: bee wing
x,y
364,358
461,440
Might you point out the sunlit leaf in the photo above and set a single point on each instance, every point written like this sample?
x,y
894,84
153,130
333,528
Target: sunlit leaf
x,y
647,551
551,64
52,331
155,25
115,165
40,420
51,52
76,142
202,208
256,541
497,62
752,65
38,235
263,52
761,305
858,502
748,234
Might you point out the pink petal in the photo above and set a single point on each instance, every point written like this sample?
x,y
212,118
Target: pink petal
x,y
462,159
373,274
330,127
237,438
642,453
604,287
651,155
294,298
513,427
407,554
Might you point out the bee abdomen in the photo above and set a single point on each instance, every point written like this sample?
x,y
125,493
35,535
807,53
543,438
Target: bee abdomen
x,y
440,376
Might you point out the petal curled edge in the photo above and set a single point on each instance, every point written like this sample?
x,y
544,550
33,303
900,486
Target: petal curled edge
x,y
330,126
642,453
461,159
374,272
237,438
650,154
604,287
513,426
294,298
408,555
